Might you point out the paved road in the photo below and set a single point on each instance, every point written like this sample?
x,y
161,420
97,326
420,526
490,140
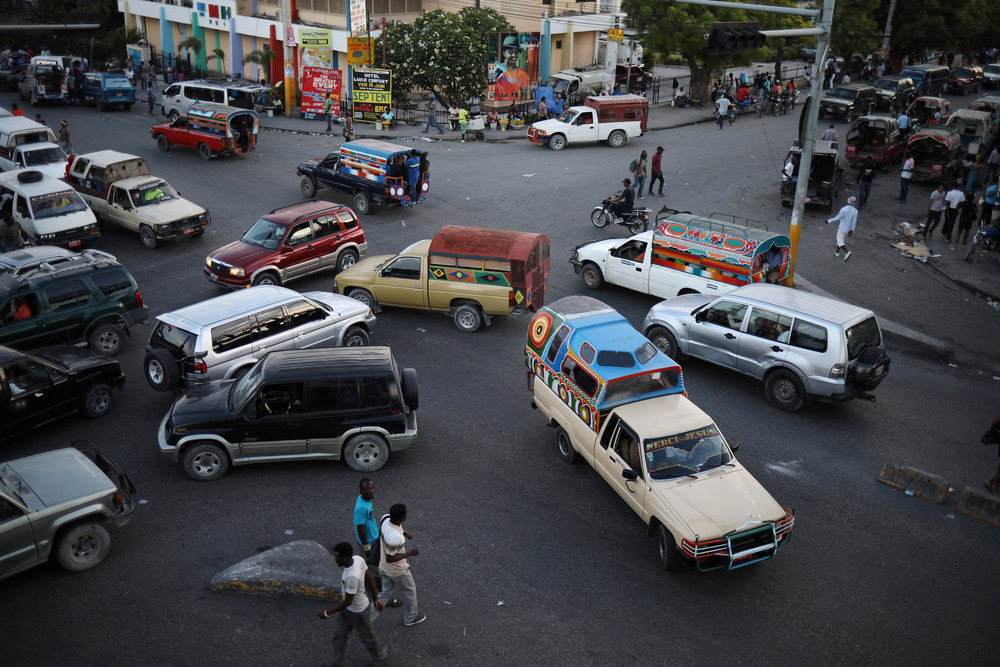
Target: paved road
x,y
499,517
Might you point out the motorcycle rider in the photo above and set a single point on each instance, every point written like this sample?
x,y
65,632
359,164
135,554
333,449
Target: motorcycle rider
x,y
622,203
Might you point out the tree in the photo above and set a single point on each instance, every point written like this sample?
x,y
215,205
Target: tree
x,y
678,28
220,56
192,43
443,52
262,58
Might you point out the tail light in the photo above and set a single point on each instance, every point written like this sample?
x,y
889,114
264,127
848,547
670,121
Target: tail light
x,y
200,367
138,298
837,371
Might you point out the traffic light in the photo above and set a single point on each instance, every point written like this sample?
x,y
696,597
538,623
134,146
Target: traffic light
x,y
735,37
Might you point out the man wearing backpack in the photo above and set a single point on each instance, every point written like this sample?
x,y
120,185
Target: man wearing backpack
x,y
639,171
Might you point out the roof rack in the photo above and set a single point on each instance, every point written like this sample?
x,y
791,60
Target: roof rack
x,y
53,266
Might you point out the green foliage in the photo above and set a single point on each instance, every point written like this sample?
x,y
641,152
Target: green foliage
x,y
262,58
855,28
940,25
192,43
116,40
442,52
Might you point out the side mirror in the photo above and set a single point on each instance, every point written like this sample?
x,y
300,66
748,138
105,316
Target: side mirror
x,y
734,445
699,316
287,248
630,475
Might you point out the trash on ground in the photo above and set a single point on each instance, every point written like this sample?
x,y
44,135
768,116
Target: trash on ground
x,y
908,244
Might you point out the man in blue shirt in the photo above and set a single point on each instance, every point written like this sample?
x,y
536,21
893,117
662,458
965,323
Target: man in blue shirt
x,y
413,174
365,524
989,201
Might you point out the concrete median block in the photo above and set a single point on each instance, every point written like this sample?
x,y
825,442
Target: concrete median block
x,y
919,483
981,505
304,569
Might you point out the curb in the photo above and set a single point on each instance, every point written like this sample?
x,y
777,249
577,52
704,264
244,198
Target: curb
x,y
980,505
303,569
916,483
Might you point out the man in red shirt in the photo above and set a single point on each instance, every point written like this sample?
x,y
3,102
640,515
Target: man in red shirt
x,y
657,171
14,111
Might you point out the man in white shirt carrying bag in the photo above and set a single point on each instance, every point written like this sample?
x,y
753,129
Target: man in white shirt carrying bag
x,y
397,580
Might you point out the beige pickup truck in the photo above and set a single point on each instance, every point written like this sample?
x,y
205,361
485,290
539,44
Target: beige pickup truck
x,y
469,272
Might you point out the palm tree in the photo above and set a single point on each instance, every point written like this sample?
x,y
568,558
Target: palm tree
x,y
219,55
191,44
262,58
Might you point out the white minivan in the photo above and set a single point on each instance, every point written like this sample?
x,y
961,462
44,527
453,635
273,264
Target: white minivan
x,y
178,97
48,210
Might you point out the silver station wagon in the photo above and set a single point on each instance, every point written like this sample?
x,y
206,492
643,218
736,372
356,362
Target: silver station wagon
x,y
803,346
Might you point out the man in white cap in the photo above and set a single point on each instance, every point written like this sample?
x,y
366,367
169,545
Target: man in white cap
x,y
848,220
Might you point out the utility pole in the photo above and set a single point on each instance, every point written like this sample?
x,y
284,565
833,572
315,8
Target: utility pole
x,y
888,29
287,66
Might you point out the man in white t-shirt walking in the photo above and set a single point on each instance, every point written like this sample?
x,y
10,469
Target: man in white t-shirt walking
x,y
354,612
396,576
955,198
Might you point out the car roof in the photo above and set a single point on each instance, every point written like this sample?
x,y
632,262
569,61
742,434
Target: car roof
x,y
286,215
106,157
318,363
230,305
8,354
804,303
15,123
46,185
34,266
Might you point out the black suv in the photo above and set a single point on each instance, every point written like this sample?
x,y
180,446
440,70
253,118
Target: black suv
x,y
350,403
894,92
848,102
50,295
52,383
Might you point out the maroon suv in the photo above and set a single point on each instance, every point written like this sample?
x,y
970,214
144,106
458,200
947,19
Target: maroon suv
x,y
290,242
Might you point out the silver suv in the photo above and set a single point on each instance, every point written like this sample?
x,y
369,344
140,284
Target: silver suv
x,y
223,337
803,346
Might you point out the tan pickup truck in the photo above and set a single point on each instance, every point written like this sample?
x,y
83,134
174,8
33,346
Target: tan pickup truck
x,y
468,272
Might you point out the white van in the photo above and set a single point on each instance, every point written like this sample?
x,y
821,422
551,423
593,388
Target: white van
x,y
48,210
18,131
178,97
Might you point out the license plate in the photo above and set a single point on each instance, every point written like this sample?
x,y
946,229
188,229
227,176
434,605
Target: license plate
x,y
75,244
187,231
213,278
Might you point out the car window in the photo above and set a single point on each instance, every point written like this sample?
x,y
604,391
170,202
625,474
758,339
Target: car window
x,y
231,335
585,118
332,395
809,336
270,322
727,314
121,198
626,445
861,335
579,376
9,510
376,392
173,338
303,312
556,343
26,376
769,324
66,294
172,90
404,267
280,399
325,225
112,281
348,220
299,234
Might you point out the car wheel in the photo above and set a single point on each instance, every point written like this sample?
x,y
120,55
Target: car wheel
x,y
148,236
784,390
346,259
468,318
557,142
161,369
82,546
204,151
592,277
205,462
665,342
106,338
98,401
366,452
600,218
565,445
362,202
308,187
266,278
162,143
355,337
362,295
616,139
670,557
409,381
173,115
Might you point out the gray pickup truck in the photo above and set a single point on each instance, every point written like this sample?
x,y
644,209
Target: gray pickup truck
x,y
60,503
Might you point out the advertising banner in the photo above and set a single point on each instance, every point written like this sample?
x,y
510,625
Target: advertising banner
x,y
513,68
359,51
357,17
372,94
316,82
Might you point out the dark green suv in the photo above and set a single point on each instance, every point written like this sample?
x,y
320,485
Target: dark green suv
x,y
50,295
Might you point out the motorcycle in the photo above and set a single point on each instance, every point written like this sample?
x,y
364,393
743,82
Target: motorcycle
x,y
748,105
987,238
635,222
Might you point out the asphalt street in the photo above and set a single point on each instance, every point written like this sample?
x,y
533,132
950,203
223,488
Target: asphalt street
x,y
525,559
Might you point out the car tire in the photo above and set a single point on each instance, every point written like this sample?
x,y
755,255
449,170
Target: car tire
x,y
557,142
366,452
162,143
107,338
665,342
565,445
204,151
266,278
173,115
355,337
308,187
160,369
784,390
411,397
592,277
346,259
362,202
98,400
147,236
205,462
617,139
670,557
81,546
468,317
362,295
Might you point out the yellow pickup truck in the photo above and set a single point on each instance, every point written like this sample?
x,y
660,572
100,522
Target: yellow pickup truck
x,y
468,272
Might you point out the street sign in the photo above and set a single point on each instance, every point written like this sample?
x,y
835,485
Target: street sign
x,y
616,34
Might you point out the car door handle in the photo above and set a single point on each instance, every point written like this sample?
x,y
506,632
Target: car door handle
x,y
310,247
39,394
638,269
775,348
730,336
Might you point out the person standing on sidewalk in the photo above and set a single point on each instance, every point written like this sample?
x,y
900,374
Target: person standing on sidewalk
x,y
432,114
969,213
328,110
396,574
992,165
865,178
847,220
989,202
934,211
357,584
463,121
657,171
640,173
64,138
904,178
955,197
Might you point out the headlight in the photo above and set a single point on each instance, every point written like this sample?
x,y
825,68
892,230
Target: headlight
x,y
208,262
236,271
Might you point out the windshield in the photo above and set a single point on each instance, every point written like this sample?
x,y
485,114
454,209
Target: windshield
x,y
558,85
639,385
117,83
961,72
41,156
566,116
244,388
844,93
992,69
886,84
861,335
265,234
59,203
153,193
686,453
915,74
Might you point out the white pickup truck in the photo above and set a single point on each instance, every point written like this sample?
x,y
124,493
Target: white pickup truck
x,y
43,156
611,118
